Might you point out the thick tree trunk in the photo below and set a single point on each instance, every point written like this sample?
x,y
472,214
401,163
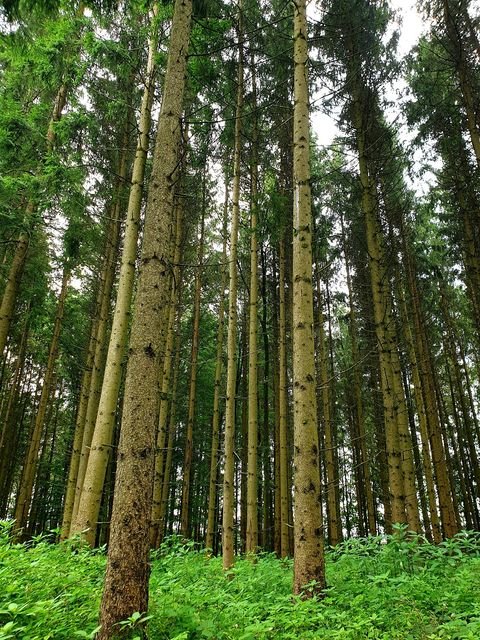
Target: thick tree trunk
x,y
126,580
309,565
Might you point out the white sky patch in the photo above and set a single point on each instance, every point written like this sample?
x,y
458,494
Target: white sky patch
x,y
412,25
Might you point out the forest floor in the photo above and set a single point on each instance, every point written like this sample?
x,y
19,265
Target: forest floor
x,y
403,589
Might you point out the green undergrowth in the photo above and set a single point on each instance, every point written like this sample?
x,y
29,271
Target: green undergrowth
x,y
401,589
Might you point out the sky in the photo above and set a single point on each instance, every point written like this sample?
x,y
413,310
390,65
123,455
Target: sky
x,y
323,126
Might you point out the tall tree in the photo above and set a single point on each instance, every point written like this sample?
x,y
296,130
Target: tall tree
x,y
126,580
309,564
229,470
91,486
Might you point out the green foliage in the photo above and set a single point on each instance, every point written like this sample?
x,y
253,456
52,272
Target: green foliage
x,y
403,588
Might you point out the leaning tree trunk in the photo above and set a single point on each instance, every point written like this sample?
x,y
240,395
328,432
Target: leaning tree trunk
x,y
7,306
126,580
90,398
9,426
309,564
101,441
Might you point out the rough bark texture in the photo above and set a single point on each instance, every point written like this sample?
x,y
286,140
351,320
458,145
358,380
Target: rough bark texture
x,y
126,580
309,566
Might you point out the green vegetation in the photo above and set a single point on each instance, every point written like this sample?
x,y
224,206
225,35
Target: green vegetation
x,y
406,589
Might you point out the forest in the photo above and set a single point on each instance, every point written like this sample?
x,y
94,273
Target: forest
x,y
240,319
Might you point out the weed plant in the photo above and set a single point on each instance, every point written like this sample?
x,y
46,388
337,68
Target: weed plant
x,y
383,589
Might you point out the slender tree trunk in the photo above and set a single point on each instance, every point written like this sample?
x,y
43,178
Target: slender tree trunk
x,y
269,498
7,306
9,428
325,387
31,460
26,397
426,378
192,393
252,464
276,396
100,445
229,469
213,475
283,402
172,423
168,363
359,409
126,580
14,277
98,359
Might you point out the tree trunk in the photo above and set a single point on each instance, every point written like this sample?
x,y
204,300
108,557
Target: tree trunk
x,y
229,469
172,423
283,402
325,388
126,580
309,565
9,426
213,475
24,497
192,393
101,439
160,477
251,542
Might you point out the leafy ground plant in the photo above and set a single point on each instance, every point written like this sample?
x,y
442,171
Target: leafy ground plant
x,y
400,588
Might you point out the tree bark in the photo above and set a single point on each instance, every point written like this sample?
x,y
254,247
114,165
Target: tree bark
x,y
126,580
309,561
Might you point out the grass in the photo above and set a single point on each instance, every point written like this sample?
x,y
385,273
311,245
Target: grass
x,y
404,589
